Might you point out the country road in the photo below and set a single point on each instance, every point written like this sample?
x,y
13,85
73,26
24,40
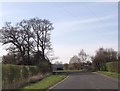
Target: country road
x,y
87,80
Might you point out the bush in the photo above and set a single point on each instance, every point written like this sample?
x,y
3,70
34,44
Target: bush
x,y
95,67
113,67
103,67
44,66
24,72
33,70
12,75
36,78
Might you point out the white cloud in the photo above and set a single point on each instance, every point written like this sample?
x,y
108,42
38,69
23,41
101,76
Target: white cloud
x,y
91,24
86,21
66,51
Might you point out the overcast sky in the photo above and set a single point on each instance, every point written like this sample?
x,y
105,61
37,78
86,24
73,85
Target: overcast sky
x,y
78,25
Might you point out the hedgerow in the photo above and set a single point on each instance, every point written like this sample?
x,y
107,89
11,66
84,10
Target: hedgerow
x,y
113,66
13,75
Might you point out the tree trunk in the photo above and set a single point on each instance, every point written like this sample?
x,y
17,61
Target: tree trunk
x,y
28,60
43,53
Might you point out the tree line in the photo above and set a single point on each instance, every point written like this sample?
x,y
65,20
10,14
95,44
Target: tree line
x,y
96,62
80,61
29,41
104,56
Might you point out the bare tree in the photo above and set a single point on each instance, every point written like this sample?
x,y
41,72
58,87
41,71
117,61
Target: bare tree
x,y
74,59
103,56
11,35
82,56
28,37
42,31
50,55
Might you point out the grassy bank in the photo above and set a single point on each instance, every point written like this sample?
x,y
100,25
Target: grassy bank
x,y
45,83
111,74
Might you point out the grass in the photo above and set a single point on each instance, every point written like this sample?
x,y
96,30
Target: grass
x,y
67,71
45,83
111,74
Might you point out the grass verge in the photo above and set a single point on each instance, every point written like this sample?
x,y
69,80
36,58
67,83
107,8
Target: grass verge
x,y
45,83
67,71
111,74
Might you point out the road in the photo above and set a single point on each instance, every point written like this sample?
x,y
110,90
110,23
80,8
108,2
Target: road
x,y
87,80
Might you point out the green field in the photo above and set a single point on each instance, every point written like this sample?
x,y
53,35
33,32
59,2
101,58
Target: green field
x,y
111,74
45,83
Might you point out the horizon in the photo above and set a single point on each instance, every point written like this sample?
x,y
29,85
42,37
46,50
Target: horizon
x,y
77,26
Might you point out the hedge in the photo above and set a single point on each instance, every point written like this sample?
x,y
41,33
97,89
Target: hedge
x,y
13,75
103,67
113,66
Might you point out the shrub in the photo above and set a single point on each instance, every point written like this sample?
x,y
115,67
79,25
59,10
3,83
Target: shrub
x,y
36,78
33,70
13,75
9,73
24,72
95,66
103,67
112,66
44,66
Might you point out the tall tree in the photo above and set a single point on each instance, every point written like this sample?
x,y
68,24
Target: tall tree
x,y
42,31
102,56
75,63
74,59
82,56
105,55
27,36
12,35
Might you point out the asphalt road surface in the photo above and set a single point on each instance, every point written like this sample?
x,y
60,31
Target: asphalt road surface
x,y
87,80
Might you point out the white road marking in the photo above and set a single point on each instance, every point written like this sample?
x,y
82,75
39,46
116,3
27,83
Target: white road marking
x,y
58,83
